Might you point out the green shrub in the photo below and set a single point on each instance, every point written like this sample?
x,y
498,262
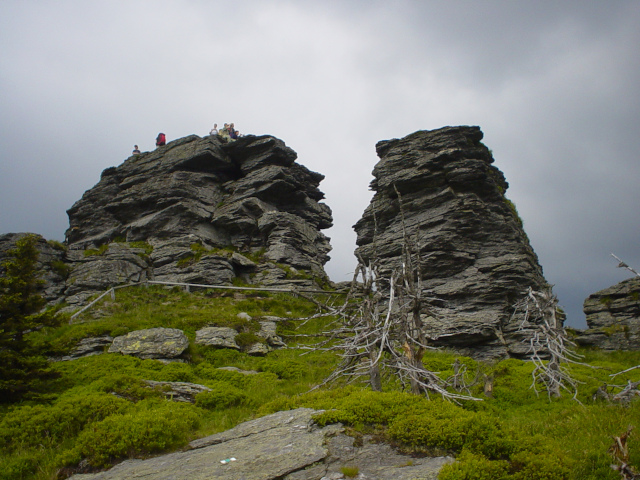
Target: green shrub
x,y
206,370
60,268
148,249
126,386
471,466
485,435
372,408
153,427
222,395
245,340
56,245
286,369
350,472
532,466
176,372
35,425
101,250
221,357
436,424
18,467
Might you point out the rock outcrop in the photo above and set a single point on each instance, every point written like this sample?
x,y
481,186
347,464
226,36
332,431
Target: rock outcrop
x,y
197,211
283,446
476,258
613,317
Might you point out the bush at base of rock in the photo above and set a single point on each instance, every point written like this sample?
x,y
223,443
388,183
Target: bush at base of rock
x,y
154,426
222,395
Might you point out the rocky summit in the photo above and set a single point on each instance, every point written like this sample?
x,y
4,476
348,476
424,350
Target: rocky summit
x,y
197,210
440,191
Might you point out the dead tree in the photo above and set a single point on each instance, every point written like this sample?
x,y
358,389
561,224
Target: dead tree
x,y
549,347
629,391
621,264
620,453
382,333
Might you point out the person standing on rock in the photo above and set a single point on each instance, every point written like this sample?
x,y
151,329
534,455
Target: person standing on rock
x,y
161,140
136,150
214,130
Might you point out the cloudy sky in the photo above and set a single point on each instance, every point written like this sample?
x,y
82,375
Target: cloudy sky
x,y
554,85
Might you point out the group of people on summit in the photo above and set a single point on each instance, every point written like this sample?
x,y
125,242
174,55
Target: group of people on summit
x,y
227,134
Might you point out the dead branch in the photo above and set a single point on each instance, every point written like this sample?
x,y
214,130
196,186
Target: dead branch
x,y
622,264
620,453
549,347
382,332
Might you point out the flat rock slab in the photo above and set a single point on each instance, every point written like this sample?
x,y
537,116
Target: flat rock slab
x,y
265,450
283,446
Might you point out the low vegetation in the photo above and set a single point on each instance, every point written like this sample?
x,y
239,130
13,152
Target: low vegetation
x,y
98,410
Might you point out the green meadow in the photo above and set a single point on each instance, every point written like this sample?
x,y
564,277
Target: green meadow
x,y
98,410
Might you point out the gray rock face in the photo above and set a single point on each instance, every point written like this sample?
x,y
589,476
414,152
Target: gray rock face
x,y
203,206
613,317
285,445
476,258
218,337
119,264
87,347
151,343
225,337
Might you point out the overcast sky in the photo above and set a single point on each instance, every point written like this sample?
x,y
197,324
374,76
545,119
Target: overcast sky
x,y
554,85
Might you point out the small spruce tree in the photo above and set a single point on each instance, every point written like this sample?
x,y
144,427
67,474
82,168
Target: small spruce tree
x,y
22,366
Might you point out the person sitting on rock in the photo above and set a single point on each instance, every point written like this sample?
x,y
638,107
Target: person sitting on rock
x,y
233,134
223,133
214,130
136,151
161,140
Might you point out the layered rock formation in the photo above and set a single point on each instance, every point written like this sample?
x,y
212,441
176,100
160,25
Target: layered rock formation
x,y
197,211
613,317
441,188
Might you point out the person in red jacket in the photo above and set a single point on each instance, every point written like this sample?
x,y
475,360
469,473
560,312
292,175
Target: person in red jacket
x,y
161,140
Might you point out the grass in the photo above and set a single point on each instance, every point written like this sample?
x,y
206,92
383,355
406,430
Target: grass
x,y
513,435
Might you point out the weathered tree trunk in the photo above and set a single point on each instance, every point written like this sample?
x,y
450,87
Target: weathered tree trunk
x,y
374,374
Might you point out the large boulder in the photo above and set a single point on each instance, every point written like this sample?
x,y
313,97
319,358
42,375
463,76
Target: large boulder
x,y
159,343
441,188
218,337
613,317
